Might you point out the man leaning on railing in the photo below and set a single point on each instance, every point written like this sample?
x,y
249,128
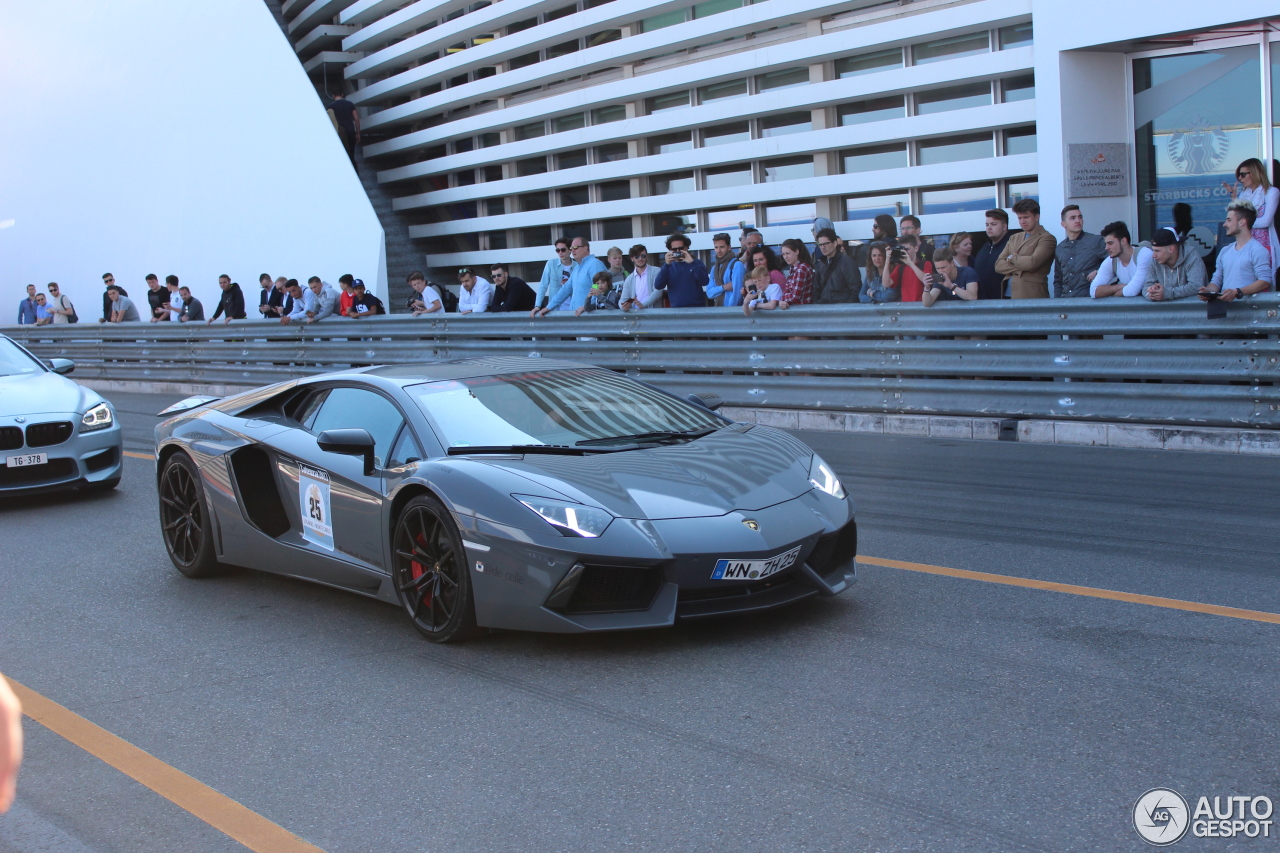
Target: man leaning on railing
x,y
1176,272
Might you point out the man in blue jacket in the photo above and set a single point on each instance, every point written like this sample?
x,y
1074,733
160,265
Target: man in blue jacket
x,y
554,274
726,274
682,275
578,287
27,308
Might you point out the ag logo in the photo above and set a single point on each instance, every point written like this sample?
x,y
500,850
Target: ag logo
x,y
1200,145
751,524
1161,816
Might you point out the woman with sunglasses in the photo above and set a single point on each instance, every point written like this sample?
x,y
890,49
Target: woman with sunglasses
x,y
1265,198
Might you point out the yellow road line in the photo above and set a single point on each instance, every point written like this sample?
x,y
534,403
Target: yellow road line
x,y
218,810
1092,592
139,455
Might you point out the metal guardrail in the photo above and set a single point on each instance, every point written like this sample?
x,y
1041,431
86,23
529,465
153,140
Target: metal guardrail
x,y
1109,360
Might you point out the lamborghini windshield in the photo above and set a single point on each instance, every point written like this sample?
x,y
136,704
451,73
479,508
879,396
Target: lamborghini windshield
x,y
556,407
15,362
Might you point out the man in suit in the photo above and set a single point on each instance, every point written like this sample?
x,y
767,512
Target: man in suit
x,y
1028,256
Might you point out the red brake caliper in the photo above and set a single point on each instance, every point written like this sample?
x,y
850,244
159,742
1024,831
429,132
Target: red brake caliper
x,y
419,571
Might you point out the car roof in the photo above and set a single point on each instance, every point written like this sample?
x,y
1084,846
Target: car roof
x,y
468,368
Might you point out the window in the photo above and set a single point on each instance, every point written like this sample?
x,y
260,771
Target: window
x,y
790,213
616,229
488,140
487,71
869,63
611,153
670,223
719,91
871,205
615,190
406,448
714,7
784,79
532,166
462,145
1019,188
495,207
563,49
497,239
657,22
518,26
1020,140
603,37
949,149
465,178
739,131
786,123
531,131
669,101
570,196
675,182
743,216
728,176
535,201
604,115
875,109
463,210
571,159
951,48
788,169
578,230
562,12
536,237
670,143
560,124
348,408
1017,35
953,98
492,173
524,61
1019,88
973,197
874,157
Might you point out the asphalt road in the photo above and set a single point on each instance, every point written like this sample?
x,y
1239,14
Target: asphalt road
x,y
915,713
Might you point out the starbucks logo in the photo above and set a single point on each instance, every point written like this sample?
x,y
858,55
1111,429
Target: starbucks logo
x,y
1200,145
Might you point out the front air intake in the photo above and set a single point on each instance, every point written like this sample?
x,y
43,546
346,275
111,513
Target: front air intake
x,y
615,589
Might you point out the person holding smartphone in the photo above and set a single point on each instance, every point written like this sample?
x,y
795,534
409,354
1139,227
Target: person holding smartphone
x,y
682,276
948,282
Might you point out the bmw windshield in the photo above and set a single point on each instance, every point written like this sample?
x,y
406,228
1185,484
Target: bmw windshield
x,y
564,408
15,362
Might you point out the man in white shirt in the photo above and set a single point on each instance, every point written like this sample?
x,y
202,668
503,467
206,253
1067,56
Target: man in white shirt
x,y
425,299
476,293
175,298
1125,271
637,290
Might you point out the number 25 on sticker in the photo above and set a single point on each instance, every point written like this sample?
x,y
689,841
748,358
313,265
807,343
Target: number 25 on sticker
x,y
313,496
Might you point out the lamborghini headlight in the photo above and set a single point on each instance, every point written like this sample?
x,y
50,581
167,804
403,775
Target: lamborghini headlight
x,y
99,417
822,478
569,518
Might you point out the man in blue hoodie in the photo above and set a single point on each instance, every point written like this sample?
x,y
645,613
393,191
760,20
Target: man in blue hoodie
x,y
682,275
578,287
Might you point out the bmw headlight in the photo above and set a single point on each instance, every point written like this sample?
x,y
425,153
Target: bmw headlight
x,y
99,417
822,478
569,518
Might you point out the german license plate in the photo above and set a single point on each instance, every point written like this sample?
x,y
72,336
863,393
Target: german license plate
x,y
752,570
27,459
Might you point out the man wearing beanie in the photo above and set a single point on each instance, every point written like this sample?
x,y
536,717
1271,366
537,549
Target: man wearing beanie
x,y
1177,273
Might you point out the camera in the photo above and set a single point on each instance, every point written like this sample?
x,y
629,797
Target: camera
x,y
898,255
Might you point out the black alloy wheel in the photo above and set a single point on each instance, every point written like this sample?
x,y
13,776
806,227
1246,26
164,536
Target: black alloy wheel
x,y
184,520
429,569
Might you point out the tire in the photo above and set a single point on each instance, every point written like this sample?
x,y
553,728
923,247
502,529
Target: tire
x,y
103,486
430,573
185,523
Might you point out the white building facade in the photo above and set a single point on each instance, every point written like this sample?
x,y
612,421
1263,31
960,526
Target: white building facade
x,y
498,126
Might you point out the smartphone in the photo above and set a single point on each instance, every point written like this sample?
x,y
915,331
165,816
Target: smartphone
x,y
1211,296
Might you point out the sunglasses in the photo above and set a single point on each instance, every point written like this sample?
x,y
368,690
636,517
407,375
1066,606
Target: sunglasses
x,y
1241,173
463,271
560,250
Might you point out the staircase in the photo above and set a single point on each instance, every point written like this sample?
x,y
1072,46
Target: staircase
x,y
402,257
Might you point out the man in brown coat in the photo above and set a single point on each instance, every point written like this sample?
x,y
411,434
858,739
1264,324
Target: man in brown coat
x,y
1028,256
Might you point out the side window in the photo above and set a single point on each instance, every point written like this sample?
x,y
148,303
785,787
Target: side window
x,y
309,407
406,449
356,408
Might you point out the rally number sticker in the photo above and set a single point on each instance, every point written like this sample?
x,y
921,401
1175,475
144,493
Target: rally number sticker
x,y
313,492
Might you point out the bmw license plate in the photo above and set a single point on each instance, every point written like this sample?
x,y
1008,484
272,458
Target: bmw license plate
x,y
752,570
28,459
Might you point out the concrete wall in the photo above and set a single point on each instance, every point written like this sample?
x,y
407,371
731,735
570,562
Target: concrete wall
x,y
168,137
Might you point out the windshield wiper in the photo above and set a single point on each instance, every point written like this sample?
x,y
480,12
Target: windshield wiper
x,y
661,435
547,449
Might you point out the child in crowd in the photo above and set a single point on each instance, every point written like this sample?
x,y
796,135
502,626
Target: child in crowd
x,y
762,292
603,295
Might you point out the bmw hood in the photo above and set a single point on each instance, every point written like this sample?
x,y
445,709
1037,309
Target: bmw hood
x,y
43,393
739,467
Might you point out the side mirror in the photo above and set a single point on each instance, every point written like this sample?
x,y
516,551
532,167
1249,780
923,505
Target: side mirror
x,y
349,442
706,400
61,366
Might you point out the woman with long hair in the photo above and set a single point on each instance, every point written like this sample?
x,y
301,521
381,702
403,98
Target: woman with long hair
x,y
798,289
873,289
1258,191
763,256
961,248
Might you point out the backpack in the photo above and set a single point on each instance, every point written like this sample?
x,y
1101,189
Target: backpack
x,y
62,303
449,300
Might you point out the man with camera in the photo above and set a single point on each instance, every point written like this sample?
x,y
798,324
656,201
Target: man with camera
x,y
682,276
949,282
905,268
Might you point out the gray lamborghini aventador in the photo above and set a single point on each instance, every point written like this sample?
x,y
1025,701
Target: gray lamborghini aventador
x,y
510,493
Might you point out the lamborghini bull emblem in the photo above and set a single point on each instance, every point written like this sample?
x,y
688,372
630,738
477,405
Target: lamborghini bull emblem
x,y
751,524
